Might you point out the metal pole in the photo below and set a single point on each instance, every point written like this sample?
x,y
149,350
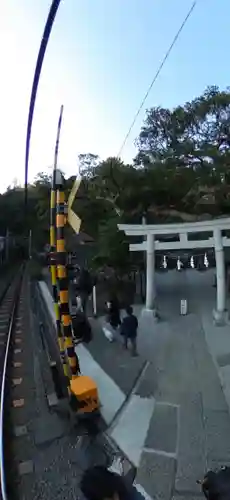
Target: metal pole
x,y
58,139
61,259
42,50
94,297
53,261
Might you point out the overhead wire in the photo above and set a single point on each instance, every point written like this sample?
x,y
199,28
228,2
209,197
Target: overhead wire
x,y
157,75
41,54
45,38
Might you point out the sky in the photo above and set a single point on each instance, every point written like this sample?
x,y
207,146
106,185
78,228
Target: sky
x,y
101,58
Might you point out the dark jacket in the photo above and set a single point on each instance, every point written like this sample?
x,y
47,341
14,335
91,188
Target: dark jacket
x,y
129,326
134,494
82,328
114,313
84,282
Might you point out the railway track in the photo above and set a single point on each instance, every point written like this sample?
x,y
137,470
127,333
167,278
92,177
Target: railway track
x,y
10,348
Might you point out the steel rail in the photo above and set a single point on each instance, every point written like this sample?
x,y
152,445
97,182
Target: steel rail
x,y
3,485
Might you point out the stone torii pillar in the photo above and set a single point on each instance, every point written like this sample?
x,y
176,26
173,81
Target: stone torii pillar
x,y
219,312
150,232
150,273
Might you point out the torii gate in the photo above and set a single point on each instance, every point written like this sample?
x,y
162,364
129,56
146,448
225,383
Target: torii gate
x,y
150,244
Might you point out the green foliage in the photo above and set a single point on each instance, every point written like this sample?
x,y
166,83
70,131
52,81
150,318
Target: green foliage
x,y
181,173
113,249
87,165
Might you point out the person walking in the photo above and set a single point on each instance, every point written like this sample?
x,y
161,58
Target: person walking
x,y
83,286
129,328
100,483
82,331
114,312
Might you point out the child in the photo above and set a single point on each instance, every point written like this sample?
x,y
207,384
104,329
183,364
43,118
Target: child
x,y
129,328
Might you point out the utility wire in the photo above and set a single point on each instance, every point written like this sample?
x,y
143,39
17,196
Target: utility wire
x,y
41,54
156,76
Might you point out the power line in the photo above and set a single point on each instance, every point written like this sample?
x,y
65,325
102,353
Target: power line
x,y
156,75
41,54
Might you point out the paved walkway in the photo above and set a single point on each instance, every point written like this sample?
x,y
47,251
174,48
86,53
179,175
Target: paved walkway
x,y
176,418
178,405
188,429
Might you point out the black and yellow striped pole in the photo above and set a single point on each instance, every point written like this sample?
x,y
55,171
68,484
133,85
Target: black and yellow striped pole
x,y
53,268
61,260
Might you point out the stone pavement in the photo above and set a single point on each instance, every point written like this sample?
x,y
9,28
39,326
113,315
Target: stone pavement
x,y
218,340
115,360
187,355
186,433
188,429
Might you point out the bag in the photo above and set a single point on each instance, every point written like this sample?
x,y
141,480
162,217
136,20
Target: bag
x,y
108,333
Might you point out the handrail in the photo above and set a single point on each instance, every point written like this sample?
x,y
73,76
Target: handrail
x,y
2,397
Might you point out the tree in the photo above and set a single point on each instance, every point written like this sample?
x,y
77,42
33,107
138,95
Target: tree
x,y
187,148
196,134
113,248
87,164
181,173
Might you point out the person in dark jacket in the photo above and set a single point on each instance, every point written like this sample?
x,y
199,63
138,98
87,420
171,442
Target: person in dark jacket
x,y
216,484
129,328
114,312
83,285
98,483
81,328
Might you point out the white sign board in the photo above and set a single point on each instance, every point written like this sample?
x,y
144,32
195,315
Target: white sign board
x,y
183,307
